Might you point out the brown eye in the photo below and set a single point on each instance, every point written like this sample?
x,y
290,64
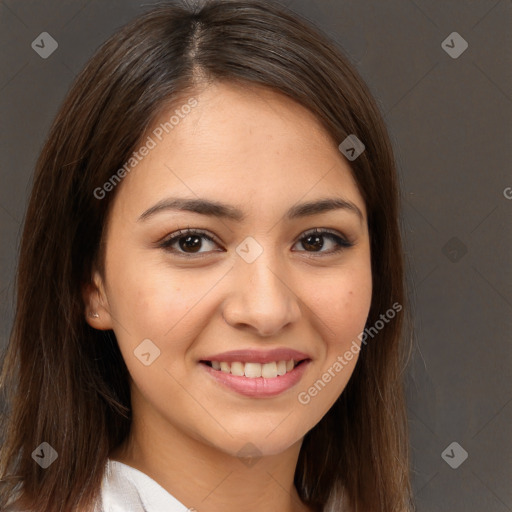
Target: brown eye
x,y
314,241
186,242
190,243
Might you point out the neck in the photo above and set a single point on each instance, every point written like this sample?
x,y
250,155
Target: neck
x,y
202,477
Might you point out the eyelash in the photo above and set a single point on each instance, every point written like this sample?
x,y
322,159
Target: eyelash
x,y
182,233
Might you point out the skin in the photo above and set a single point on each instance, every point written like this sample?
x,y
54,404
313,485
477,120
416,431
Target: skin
x,y
257,150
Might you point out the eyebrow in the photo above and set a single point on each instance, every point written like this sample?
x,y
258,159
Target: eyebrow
x,y
225,211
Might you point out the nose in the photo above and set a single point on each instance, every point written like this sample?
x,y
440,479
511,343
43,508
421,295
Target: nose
x,y
261,300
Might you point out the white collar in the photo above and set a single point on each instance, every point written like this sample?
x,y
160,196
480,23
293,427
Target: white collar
x,y
125,488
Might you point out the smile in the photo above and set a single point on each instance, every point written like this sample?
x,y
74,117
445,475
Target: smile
x,y
257,380
253,370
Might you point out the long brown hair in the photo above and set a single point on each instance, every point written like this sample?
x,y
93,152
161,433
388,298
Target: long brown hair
x,y
65,383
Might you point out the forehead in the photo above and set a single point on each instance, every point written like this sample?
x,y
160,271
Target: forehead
x,y
239,143
246,115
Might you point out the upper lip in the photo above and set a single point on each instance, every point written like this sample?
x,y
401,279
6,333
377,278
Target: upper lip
x,y
258,356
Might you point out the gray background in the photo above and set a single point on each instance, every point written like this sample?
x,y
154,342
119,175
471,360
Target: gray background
x,y
450,122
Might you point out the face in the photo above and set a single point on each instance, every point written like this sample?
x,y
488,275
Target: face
x,y
256,274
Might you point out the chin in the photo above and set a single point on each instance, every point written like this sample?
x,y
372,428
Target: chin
x,y
256,443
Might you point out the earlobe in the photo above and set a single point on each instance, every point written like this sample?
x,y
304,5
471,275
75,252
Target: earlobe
x,y
97,311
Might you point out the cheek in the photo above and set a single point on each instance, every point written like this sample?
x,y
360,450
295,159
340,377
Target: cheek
x,y
342,306
340,313
347,315
157,304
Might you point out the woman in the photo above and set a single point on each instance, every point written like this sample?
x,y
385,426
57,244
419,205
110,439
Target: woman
x,y
210,288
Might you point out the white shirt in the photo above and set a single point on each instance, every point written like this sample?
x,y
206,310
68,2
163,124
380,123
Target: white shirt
x,y
126,489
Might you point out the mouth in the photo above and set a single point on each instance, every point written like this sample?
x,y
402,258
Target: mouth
x,y
256,380
254,370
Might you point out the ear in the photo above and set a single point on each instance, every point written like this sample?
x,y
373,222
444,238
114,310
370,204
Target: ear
x,y
97,310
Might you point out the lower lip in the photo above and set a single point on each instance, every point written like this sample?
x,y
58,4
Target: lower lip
x,y
259,387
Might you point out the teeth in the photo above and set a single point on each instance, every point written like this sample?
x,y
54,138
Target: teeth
x,y
237,369
255,370
269,370
252,370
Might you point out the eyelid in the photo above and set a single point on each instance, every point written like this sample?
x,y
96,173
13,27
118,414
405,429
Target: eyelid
x,y
172,238
326,231
341,240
